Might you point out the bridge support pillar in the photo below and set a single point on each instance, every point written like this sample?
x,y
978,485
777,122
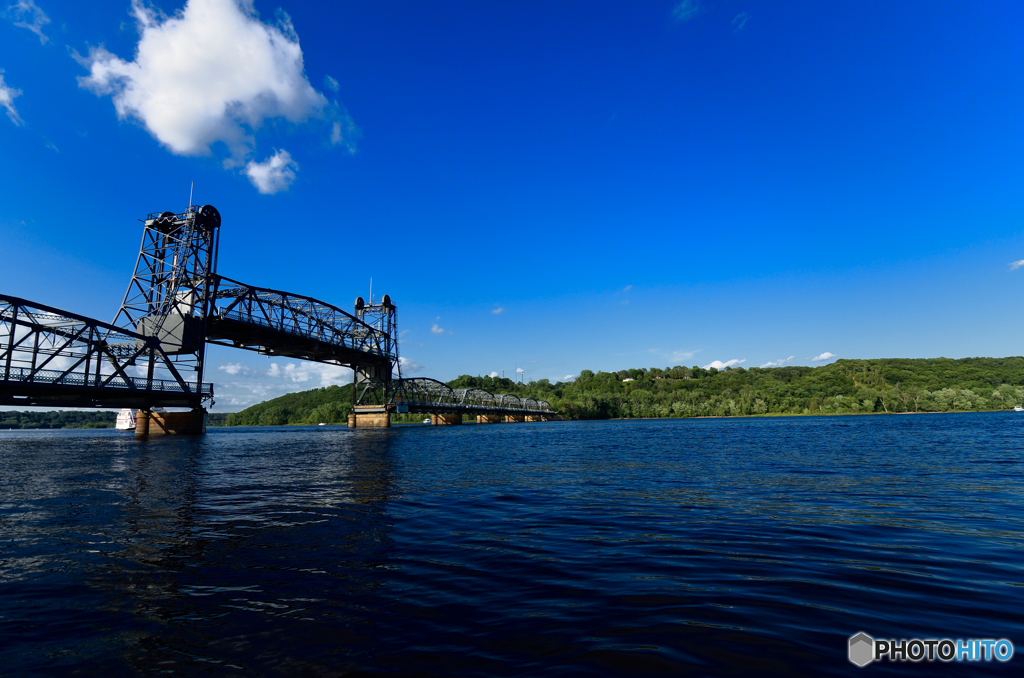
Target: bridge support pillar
x,y
445,419
536,417
170,423
369,417
514,418
488,418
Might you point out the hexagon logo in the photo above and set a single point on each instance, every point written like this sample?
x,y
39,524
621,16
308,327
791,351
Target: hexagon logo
x,y
862,649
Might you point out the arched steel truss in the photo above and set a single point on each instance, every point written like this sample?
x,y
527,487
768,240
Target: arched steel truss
x,y
422,394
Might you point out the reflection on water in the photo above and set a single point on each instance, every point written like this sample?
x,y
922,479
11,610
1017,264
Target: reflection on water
x,y
707,547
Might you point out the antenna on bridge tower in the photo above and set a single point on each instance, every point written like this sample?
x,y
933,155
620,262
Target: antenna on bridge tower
x,y
190,189
371,290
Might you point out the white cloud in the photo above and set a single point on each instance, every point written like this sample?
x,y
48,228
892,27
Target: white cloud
x,y
719,365
627,288
7,95
494,374
1014,265
437,330
273,175
780,362
212,73
500,309
409,366
331,84
686,10
26,14
305,372
824,356
520,370
739,21
569,377
235,369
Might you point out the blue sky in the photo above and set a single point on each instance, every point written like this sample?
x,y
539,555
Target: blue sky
x,y
544,186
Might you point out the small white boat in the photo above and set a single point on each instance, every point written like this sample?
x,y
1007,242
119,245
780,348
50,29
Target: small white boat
x,y
321,424
1018,408
427,420
125,420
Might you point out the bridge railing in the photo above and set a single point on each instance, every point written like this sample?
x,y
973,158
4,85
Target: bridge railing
x,y
102,381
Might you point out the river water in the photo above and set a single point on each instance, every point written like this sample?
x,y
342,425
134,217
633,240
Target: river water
x,y
713,547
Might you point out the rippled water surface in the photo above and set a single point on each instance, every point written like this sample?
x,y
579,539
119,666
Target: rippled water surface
x,y
686,547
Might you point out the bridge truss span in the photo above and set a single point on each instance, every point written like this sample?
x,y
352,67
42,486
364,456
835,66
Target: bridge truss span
x,y
51,357
272,322
422,394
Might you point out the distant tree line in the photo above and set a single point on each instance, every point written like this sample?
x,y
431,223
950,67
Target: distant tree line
x,y
58,419
843,387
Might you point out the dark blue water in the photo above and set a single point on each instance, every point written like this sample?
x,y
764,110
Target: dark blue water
x,y
687,547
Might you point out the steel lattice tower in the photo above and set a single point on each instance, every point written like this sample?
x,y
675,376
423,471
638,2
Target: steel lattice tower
x,y
170,292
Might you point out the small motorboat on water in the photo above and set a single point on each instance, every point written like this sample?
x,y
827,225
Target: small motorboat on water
x,y
125,420
1018,408
427,420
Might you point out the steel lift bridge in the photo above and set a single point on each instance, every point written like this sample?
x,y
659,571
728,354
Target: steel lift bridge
x,y
152,355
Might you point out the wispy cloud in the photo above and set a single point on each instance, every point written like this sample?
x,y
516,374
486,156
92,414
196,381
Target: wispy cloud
x,y
500,309
436,330
686,10
675,357
27,14
234,369
7,96
409,366
273,175
780,362
719,365
569,377
331,84
1014,265
627,288
344,131
739,21
306,372
824,356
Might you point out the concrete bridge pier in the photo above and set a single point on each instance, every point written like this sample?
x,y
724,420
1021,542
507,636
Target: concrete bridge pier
x,y
191,423
536,417
372,416
488,418
515,418
445,419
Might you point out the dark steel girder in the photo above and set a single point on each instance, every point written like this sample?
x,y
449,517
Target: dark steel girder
x,y
278,323
50,357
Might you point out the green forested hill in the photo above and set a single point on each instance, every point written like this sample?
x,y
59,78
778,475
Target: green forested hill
x,y
328,405
846,386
